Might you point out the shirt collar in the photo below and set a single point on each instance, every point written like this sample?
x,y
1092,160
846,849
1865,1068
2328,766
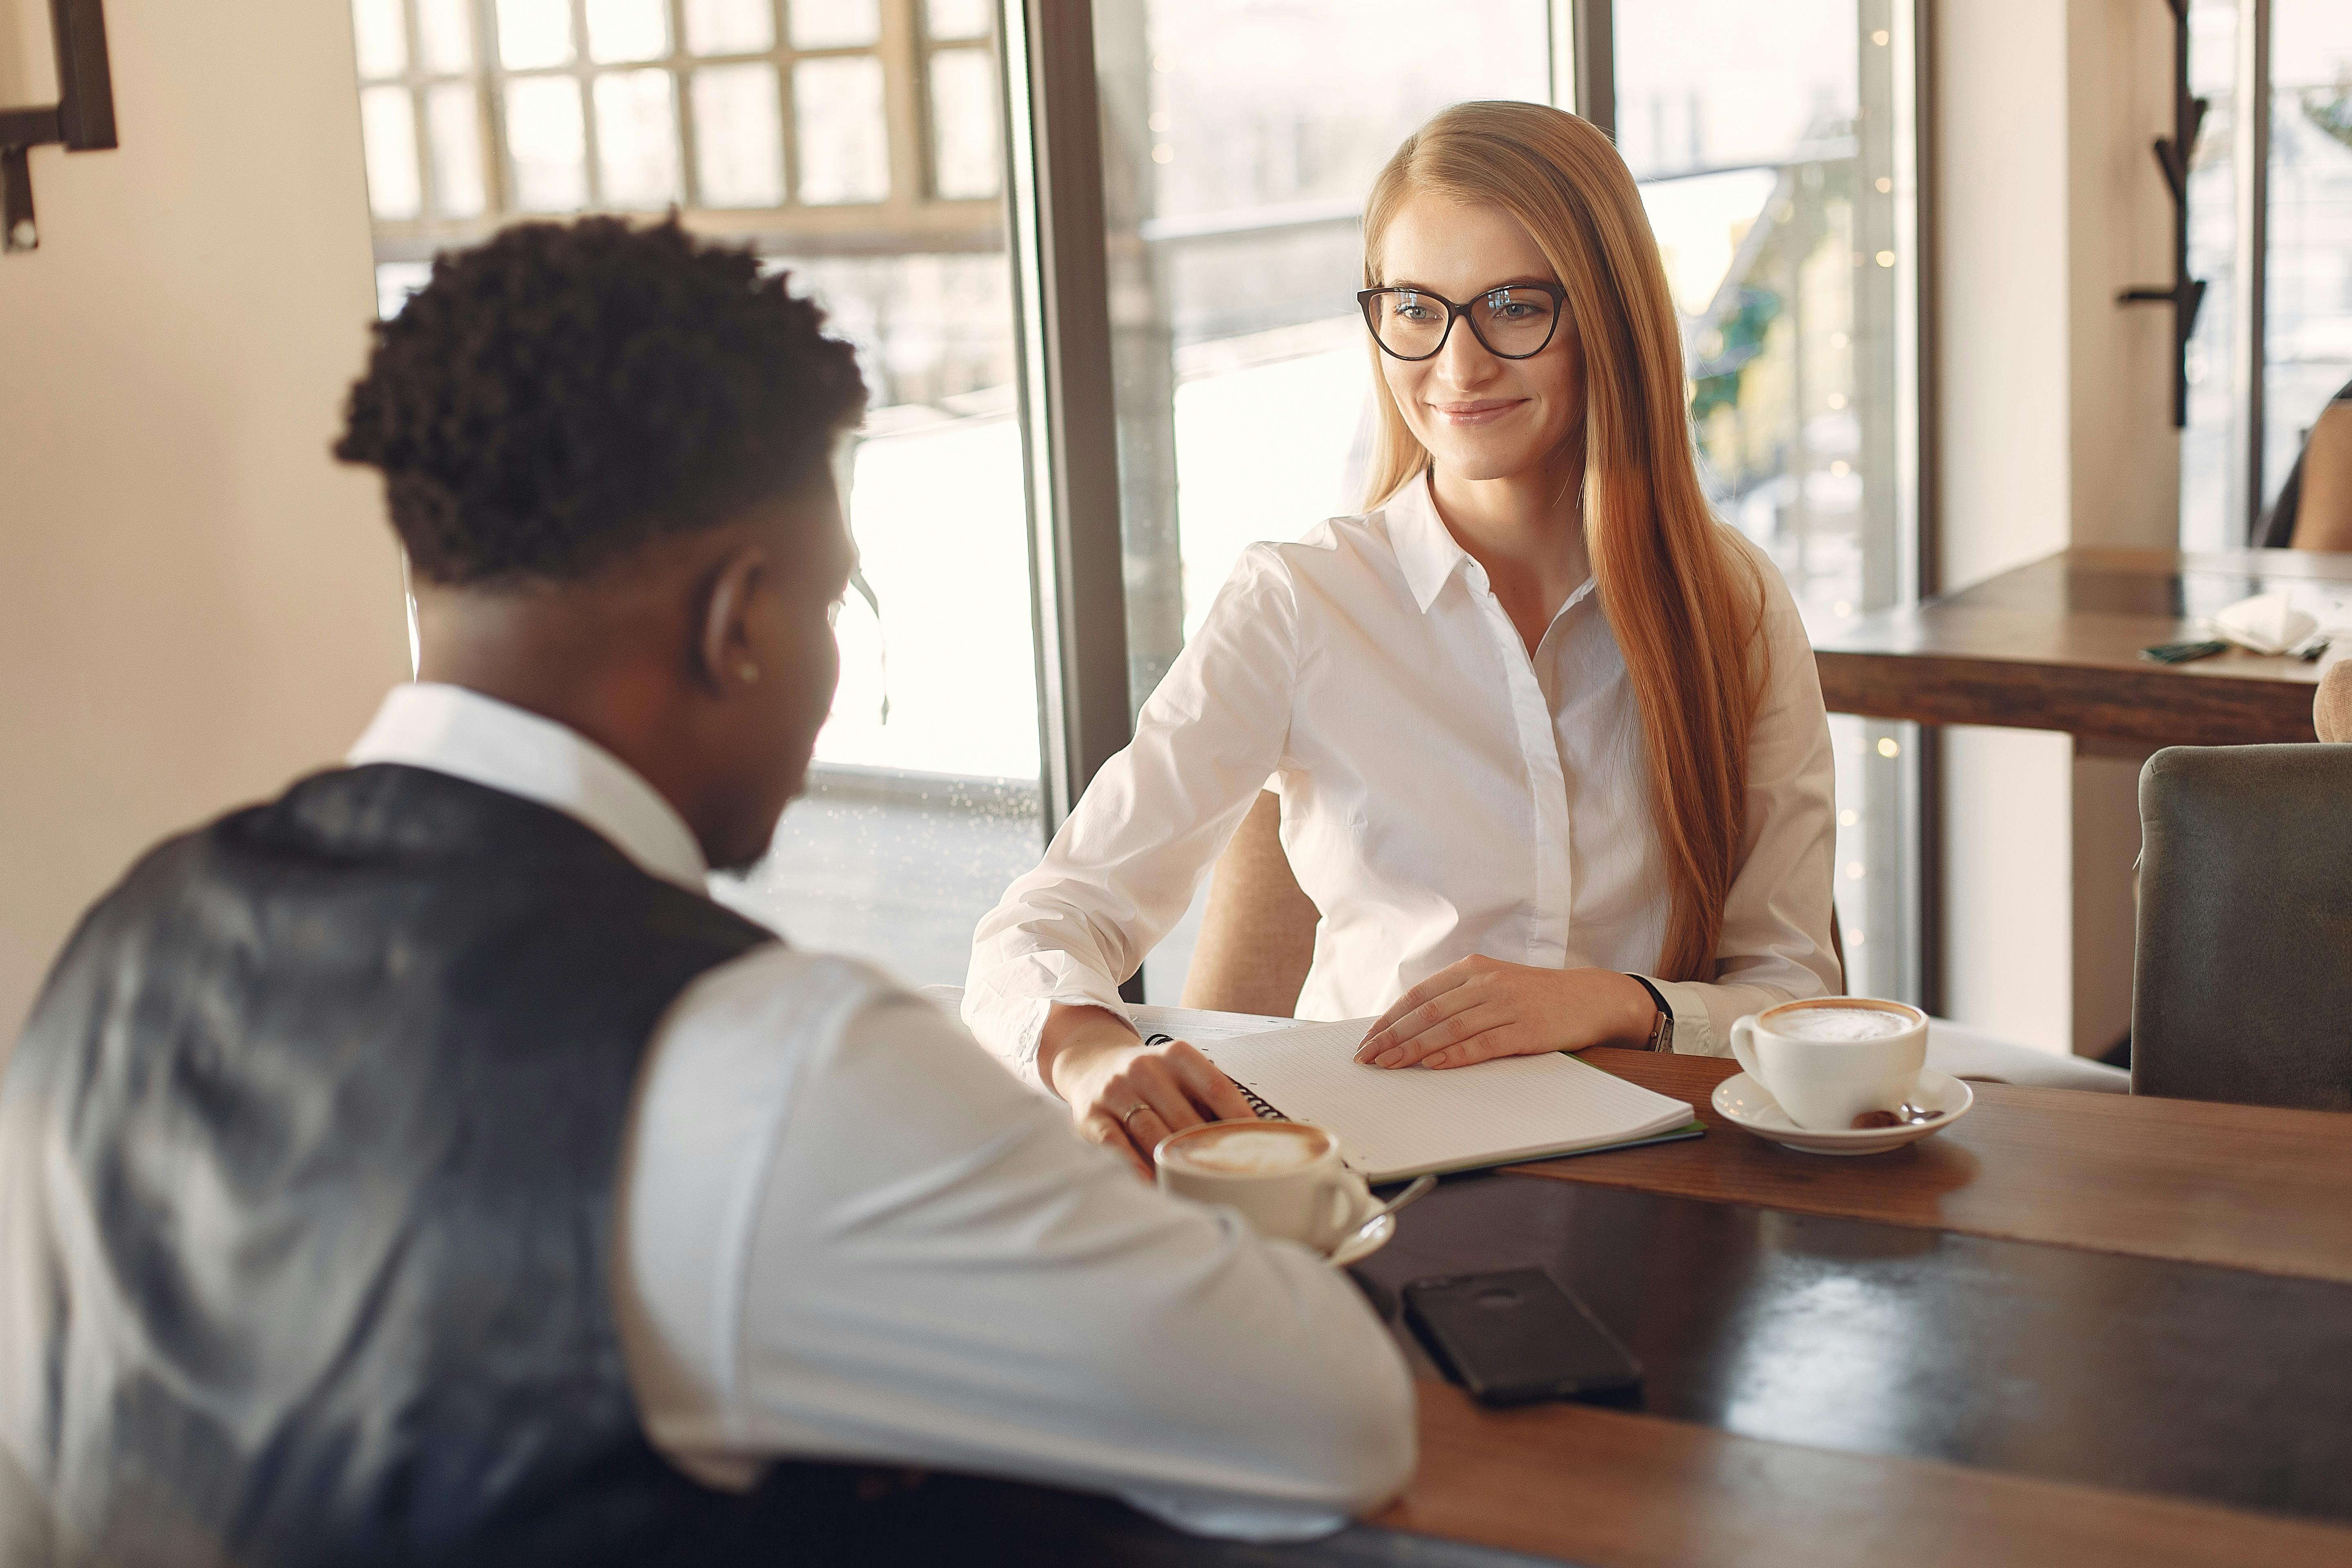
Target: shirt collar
x,y
1426,551
467,735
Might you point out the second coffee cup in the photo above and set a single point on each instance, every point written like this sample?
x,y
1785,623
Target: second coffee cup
x,y
1283,1178
1830,1058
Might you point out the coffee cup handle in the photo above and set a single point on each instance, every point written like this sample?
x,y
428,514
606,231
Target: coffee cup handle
x,y
1743,1048
1348,1191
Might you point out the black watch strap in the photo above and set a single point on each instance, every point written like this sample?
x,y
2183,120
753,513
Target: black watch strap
x,y
1662,1033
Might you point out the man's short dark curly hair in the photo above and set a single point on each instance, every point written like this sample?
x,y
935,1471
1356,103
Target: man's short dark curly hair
x,y
567,392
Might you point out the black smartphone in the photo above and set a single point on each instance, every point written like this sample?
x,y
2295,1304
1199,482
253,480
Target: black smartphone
x,y
1514,1336
2183,652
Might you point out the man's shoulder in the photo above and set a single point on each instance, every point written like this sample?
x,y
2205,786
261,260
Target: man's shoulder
x,y
806,990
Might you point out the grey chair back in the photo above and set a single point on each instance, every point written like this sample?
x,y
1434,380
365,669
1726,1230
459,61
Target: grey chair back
x,y
2243,986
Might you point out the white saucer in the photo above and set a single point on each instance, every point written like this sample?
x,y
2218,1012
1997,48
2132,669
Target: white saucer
x,y
1362,1244
1746,1105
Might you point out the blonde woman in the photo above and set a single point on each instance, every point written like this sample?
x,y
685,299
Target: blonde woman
x,y
1550,743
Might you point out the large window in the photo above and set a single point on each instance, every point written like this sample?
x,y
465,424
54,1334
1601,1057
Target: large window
x,y
865,145
857,144
2270,209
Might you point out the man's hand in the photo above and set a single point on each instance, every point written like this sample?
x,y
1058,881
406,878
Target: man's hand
x,y
1128,1096
1482,1008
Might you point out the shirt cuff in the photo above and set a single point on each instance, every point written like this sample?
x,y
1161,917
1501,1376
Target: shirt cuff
x,y
1009,1020
1694,1025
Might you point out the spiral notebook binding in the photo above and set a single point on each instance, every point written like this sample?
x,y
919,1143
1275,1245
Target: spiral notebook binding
x,y
1264,1112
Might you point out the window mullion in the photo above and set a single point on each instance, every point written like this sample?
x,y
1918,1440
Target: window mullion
x,y
583,82
1054,205
901,106
2250,148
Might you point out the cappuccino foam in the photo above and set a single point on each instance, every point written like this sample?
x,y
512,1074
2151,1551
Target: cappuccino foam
x,y
1838,1026
1251,1150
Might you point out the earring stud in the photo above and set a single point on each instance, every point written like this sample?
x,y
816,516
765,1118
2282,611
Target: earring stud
x,y
748,672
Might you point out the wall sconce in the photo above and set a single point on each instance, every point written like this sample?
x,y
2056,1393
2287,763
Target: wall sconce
x,y
81,120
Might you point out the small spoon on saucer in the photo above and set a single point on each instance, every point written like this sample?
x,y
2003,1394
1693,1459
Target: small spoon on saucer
x,y
1420,1188
1905,1115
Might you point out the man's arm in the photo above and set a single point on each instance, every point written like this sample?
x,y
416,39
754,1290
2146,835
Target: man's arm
x,y
920,1264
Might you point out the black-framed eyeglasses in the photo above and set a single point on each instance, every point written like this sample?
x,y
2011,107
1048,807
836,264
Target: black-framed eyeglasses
x,y
1511,320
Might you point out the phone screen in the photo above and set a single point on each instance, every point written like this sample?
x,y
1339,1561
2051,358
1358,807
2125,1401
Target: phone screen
x,y
1514,1335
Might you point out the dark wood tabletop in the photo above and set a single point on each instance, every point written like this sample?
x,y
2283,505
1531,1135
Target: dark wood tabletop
x,y
2072,1328
2239,1186
2055,644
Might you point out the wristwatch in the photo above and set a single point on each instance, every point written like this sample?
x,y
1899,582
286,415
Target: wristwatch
x,y
1662,1033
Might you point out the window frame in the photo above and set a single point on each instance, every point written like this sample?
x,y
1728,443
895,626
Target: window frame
x,y
911,215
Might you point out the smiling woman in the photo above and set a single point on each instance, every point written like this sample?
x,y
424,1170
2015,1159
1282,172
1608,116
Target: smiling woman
x,y
1551,754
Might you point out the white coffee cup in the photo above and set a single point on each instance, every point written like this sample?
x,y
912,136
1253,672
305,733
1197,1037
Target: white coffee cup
x,y
1828,1059
1283,1178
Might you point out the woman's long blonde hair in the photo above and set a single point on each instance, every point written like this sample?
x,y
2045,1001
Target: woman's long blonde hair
x,y
1686,610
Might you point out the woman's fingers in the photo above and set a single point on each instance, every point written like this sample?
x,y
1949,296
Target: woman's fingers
x,y
1386,1038
1447,1034
1444,979
1163,1091
1144,1127
1207,1085
1101,1127
1507,1039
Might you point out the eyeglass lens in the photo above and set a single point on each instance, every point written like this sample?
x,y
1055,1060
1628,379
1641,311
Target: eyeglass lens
x,y
1508,320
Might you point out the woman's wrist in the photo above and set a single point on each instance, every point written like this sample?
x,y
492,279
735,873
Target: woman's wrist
x,y
1631,1013
1660,1035
1074,1032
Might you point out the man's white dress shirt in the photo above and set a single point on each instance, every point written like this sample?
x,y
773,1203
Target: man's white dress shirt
x,y
1444,794
844,1232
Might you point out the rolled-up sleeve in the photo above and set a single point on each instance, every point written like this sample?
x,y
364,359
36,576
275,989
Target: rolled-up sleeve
x,y
1125,866
1775,945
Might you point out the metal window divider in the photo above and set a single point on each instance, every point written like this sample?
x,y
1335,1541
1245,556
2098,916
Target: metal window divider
x,y
1054,217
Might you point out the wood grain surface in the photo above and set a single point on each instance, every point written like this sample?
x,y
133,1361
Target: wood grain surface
x,y
2055,644
1621,1490
2235,1185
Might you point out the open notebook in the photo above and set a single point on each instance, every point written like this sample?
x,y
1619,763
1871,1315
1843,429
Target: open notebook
x,y
1394,1124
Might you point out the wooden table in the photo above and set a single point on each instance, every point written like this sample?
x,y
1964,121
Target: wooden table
x,y
2160,1294
2055,646
2090,1330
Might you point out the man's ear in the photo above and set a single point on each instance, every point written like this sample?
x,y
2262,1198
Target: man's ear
x,y
724,659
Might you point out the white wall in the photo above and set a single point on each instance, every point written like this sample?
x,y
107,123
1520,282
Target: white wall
x,y
2056,430
2002,348
197,603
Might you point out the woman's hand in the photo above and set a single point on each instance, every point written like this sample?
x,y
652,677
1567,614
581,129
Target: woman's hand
x,y
1128,1096
1482,1008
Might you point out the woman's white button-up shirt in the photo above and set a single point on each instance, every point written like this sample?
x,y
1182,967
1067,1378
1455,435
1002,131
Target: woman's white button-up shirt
x,y
1444,794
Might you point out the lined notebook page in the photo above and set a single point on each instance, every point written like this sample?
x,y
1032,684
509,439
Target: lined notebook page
x,y
1392,1124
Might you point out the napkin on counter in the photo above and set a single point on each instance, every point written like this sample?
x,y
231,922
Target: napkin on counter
x,y
2267,623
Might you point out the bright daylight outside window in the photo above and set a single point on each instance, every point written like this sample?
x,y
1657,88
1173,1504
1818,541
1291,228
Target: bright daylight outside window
x,y
856,143
2307,271
1240,140
1767,141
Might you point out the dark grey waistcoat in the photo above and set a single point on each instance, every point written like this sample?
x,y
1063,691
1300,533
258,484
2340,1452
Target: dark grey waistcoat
x,y
307,1165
